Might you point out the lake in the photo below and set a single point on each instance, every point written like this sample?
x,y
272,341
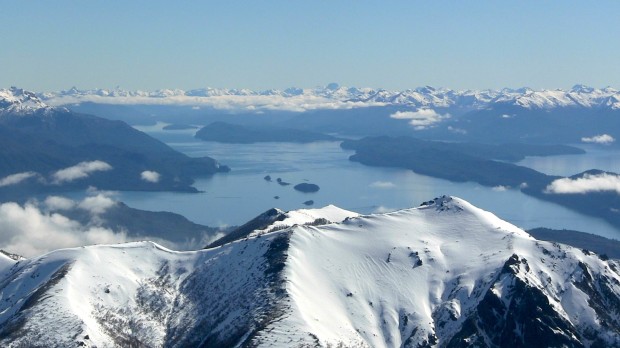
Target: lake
x,y
236,197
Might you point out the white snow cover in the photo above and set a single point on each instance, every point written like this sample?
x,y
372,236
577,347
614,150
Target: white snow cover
x,y
331,213
339,97
353,282
17,101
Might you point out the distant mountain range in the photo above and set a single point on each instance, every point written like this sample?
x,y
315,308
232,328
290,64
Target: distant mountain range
x,y
579,114
445,274
347,97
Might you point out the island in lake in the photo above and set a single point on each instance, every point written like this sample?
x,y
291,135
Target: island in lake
x,y
488,165
307,188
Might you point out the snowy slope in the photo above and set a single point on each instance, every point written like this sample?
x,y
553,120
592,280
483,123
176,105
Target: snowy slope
x,y
445,274
276,219
319,216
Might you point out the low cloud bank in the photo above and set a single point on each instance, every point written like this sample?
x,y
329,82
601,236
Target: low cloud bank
x,y
28,231
298,103
588,183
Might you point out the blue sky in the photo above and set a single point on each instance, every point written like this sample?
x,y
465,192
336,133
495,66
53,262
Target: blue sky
x,y
52,45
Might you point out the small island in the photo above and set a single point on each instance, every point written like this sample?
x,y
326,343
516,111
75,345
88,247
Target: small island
x,y
309,203
281,182
307,188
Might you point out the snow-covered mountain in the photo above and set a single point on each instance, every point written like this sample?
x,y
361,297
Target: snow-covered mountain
x,y
445,274
16,101
335,96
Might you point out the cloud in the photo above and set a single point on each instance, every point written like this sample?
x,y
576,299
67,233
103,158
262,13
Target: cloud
x,y
587,183
604,139
500,188
97,205
383,209
27,231
55,203
420,119
457,130
80,171
15,179
382,185
150,176
298,103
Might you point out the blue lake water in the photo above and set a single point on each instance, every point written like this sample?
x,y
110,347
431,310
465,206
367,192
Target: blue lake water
x,y
234,198
598,157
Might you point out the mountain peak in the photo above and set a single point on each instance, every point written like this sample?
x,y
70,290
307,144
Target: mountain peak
x,y
579,88
415,277
20,101
444,203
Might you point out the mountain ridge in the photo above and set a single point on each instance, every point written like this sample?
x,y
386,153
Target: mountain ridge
x,y
445,274
421,97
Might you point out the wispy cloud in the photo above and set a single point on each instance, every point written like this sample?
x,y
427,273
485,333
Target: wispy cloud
x,y
420,119
382,185
500,188
79,171
457,130
383,209
150,176
599,139
15,179
587,183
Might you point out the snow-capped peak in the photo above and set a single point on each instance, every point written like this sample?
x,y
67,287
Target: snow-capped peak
x,y
19,101
336,96
443,274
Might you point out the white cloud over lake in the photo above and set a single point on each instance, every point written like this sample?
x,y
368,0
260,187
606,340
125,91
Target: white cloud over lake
x,y
588,183
420,119
599,139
